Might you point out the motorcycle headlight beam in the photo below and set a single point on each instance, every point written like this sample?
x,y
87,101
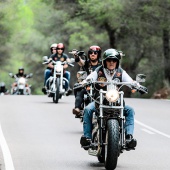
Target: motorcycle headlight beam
x,y
112,95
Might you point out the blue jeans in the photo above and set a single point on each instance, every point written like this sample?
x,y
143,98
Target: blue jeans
x,y
47,74
88,114
67,76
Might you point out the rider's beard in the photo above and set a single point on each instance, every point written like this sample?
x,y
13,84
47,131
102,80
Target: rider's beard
x,y
93,61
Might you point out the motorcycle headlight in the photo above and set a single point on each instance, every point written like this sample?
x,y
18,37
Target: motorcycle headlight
x,y
58,69
112,95
21,81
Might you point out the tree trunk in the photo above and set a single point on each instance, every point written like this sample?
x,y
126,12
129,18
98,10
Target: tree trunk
x,y
166,49
111,34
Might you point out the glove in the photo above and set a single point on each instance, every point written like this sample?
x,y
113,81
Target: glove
x,y
77,86
143,90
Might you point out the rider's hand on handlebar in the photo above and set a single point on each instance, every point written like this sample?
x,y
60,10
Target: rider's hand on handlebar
x,y
135,84
142,89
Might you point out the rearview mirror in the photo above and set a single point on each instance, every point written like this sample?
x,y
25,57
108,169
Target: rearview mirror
x,y
45,58
10,74
140,78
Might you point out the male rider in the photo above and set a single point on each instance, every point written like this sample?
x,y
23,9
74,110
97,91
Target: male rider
x,y
89,65
109,70
47,72
61,56
19,74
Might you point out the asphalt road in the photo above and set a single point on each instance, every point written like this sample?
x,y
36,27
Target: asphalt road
x,y
37,134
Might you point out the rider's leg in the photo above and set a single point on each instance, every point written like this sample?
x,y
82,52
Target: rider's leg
x,y
87,124
67,87
47,74
129,126
79,101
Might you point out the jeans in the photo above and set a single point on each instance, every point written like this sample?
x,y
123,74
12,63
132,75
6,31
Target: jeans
x,y
79,95
67,76
47,74
88,114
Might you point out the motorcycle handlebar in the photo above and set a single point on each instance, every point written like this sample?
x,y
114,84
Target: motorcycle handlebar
x,y
140,88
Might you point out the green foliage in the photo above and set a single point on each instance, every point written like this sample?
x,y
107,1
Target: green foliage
x,y
28,28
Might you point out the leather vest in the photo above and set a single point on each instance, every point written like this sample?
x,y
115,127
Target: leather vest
x,y
102,77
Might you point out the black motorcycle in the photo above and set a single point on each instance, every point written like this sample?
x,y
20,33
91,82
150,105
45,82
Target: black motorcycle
x,y
108,134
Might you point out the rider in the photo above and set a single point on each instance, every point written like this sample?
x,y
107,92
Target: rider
x,y
47,72
89,65
3,88
109,70
19,74
61,56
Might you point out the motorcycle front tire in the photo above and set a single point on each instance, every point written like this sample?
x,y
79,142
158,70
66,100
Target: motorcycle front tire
x,y
57,94
112,144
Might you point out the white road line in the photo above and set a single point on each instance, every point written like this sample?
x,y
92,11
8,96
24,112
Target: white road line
x,y
6,153
148,131
152,129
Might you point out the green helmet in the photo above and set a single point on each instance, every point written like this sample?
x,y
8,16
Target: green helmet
x,y
111,53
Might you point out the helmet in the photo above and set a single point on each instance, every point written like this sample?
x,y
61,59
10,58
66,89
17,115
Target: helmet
x,y
111,53
61,45
94,48
53,46
21,68
2,84
2,87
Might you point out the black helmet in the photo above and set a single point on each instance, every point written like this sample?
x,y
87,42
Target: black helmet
x,y
21,68
111,53
94,48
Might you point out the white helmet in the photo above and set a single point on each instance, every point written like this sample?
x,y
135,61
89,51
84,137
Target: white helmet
x,y
53,46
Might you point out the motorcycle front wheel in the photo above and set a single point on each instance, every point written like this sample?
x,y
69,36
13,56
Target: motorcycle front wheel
x,y
57,94
112,144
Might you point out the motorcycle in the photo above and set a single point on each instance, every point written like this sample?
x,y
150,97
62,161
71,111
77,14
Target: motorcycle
x,y
3,90
81,75
56,82
108,134
21,87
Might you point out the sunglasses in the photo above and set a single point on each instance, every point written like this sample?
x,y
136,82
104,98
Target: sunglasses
x,y
60,49
111,60
95,52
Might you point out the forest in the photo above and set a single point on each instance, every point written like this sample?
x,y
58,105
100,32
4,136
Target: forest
x,y
141,29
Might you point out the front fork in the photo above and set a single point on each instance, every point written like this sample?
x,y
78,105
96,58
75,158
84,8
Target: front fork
x,y
101,125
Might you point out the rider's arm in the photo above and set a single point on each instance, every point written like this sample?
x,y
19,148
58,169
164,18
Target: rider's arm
x,y
80,61
126,77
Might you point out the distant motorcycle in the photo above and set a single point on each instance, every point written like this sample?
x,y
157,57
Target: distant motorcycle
x,y
3,90
108,134
56,82
21,88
